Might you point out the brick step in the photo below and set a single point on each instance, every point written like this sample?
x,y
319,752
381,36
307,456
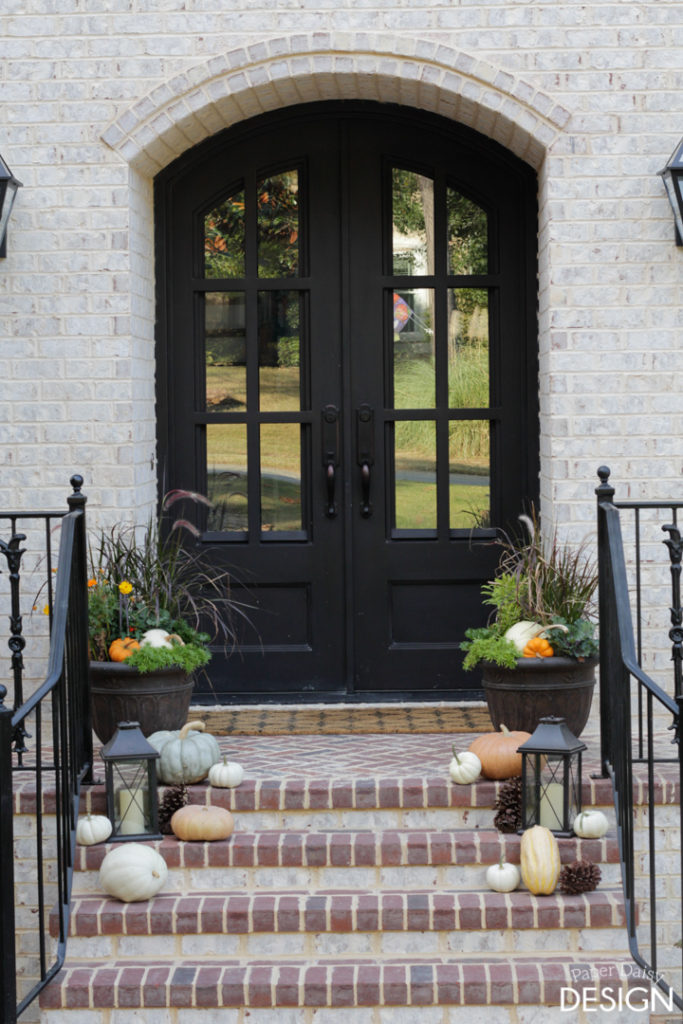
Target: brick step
x,y
356,803
411,987
294,923
453,859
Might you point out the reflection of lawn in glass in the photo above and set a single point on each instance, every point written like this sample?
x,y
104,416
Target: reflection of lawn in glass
x,y
226,388
280,503
415,504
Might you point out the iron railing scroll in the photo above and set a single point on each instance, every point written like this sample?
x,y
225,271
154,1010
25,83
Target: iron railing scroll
x,y
640,724
45,739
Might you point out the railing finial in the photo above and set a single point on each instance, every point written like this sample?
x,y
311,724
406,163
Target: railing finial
x,y
605,491
76,482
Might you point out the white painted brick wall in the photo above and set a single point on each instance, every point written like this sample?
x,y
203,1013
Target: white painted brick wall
x,y
96,101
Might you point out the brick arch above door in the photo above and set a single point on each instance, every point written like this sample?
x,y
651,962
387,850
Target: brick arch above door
x,y
229,88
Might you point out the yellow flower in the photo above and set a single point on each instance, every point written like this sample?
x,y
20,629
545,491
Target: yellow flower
x,y
125,587
46,610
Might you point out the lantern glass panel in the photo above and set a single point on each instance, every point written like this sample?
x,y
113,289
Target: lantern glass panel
x,y
130,788
552,790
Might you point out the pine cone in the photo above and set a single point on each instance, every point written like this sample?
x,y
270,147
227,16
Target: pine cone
x,y
580,876
174,798
509,807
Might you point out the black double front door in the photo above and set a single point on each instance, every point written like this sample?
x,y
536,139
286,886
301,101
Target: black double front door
x,y
347,369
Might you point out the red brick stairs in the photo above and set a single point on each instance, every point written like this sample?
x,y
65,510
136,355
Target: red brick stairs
x,y
363,893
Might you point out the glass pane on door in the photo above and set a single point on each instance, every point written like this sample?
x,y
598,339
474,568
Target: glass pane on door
x,y
469,474
467,227
413,349
414,463
468,348
226,477
279,351
278,225
225,351
412,216
281,477
224,238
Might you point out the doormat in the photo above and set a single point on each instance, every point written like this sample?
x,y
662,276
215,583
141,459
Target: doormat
x,y
321,719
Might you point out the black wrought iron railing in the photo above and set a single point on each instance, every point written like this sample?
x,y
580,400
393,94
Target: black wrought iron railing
x,y
641,720
45,749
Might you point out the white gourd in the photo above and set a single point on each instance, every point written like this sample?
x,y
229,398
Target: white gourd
x,y
226,774
155,638
92,829
188,757
522,632
465,767
503,876
133,872
591,825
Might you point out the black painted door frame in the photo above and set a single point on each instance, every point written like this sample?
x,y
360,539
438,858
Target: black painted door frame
x,y
381,612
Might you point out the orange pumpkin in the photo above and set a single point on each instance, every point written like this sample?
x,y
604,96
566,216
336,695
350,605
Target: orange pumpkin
x,y
122,648
497,752
537,647
202,821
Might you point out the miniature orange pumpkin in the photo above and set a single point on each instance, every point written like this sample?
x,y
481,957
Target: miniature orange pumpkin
x,y
537,647
497,752
202,821
122,648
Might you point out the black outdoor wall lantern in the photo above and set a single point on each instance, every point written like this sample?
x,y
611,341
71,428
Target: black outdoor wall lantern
x,y
673,179
131,784
551,777
8,191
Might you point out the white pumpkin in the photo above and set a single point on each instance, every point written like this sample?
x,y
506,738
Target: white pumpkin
x,y
590,824
465,767
133,872
226,774
188,756
92,829
503,876
155,638
522,632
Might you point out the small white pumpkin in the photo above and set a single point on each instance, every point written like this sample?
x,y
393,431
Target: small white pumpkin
x,y
590,824
503,876
92,829
226,774
465,767
133,872
155,638
522,632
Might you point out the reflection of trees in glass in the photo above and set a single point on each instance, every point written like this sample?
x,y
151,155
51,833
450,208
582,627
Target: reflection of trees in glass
x,y
278,225
278,330
413,218
467,235
224,239
468,320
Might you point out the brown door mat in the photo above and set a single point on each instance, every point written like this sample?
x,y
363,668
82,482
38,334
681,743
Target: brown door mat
x,y
319,719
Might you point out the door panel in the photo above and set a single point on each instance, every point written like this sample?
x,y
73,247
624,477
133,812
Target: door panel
x,y
347,357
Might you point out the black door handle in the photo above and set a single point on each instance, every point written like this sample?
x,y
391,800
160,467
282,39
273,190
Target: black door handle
x,y
365,441
330,436
366,507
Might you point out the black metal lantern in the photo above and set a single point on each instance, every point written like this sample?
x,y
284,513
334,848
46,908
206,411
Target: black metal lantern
x,y
673,179
551,777
8,191
131,784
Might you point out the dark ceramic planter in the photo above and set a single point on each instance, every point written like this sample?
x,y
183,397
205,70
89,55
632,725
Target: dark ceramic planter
x,y
520,697
119,693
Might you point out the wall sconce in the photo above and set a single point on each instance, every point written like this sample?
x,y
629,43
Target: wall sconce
x,y
130,775
673,179
551,777
8,192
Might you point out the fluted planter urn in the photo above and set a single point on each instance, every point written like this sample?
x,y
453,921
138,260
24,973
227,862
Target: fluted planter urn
x,y
519,697
119,693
